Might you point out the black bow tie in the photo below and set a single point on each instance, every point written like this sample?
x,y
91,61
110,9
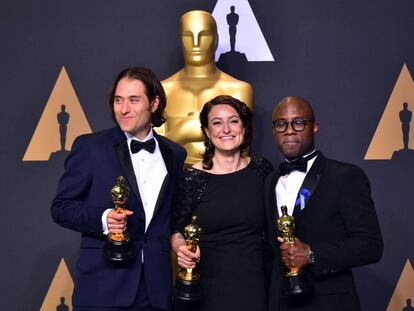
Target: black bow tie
x,y
299,164
148,145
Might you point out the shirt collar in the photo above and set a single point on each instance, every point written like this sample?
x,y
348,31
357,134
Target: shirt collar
x,y
304,156
131,137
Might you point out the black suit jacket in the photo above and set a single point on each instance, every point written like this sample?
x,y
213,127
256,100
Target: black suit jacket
x,y
340,225
84,194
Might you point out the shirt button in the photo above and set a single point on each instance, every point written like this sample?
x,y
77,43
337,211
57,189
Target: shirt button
x,y
145,181
142,160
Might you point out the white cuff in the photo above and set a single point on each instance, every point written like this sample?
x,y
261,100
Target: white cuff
x,y
104,219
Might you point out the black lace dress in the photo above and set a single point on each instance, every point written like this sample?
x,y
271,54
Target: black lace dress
x,y
230,210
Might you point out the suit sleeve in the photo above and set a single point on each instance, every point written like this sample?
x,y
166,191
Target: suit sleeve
x,y
363,241
69,208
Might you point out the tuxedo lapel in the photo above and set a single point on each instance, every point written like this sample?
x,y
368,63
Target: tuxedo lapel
x,y
167,155
309,185
166,152
124,157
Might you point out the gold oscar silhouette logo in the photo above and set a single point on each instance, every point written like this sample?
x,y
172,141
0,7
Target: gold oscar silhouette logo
x,y
403,295
61,122
393,138
59,295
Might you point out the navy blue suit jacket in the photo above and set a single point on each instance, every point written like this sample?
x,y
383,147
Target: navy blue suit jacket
x,y
339,223
84,194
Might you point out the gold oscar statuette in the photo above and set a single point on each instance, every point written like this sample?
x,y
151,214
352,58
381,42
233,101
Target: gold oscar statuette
x,y
296,280
187,286
118,247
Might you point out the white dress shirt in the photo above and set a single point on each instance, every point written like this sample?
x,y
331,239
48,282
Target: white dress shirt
x,y
288,186
150,172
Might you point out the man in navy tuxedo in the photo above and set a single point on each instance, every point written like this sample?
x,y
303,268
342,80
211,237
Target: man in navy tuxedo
x,y
83,201
336,224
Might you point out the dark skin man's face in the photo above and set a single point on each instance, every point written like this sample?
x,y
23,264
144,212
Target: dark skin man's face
x,y
294,143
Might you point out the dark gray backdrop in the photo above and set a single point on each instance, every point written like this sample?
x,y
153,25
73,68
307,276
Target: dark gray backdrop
x,y
343,56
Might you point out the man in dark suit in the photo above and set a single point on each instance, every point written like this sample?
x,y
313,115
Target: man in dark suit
x,y
150,165
336,224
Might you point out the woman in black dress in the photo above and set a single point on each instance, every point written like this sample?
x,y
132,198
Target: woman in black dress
x,y
225,192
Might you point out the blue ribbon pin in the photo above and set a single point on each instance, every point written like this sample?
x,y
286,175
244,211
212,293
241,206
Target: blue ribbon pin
x,y
303,195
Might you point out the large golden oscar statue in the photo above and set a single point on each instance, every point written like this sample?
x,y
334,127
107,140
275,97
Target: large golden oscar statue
x,y
198,82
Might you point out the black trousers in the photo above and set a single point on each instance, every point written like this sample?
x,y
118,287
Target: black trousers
x,y
141,302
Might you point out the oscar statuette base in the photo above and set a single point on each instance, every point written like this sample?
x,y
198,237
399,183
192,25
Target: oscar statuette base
x,y
297,284
187,290
118,251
